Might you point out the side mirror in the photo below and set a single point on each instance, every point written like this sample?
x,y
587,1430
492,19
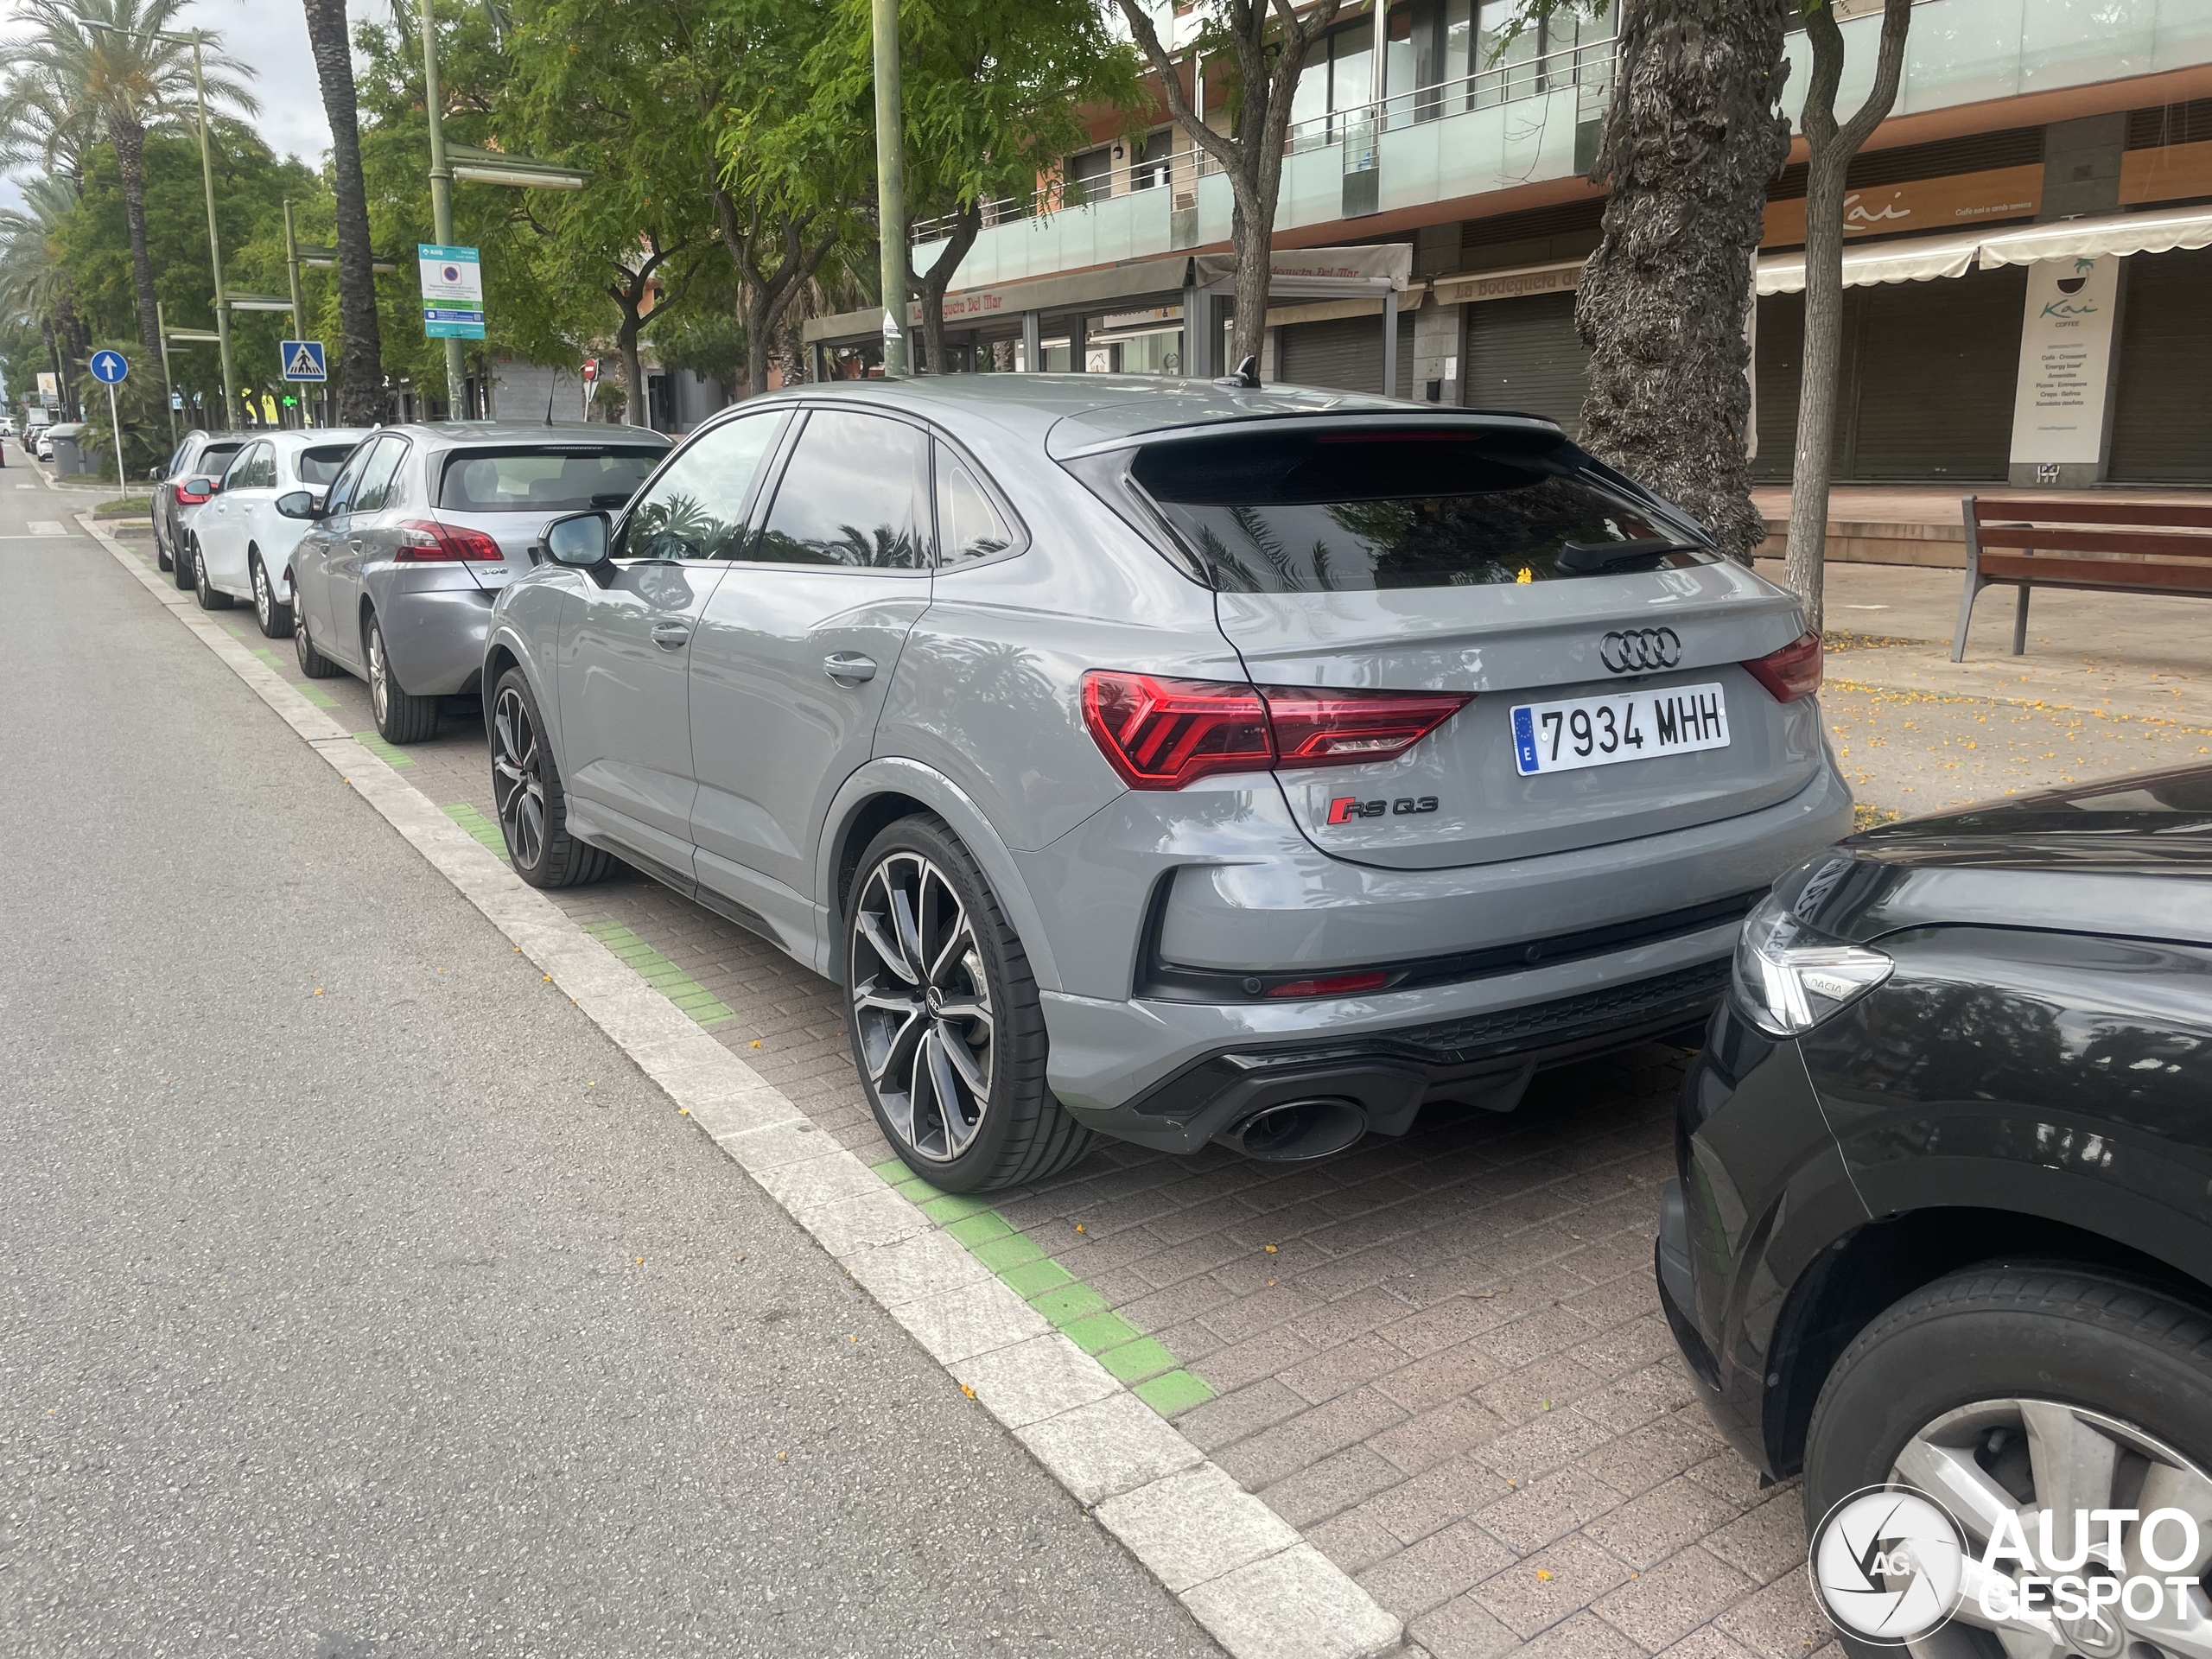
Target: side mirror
x,y
153,475
203,486
579,540
298,504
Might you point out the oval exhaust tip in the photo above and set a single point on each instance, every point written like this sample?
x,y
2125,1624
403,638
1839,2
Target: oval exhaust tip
x,y
1298,1130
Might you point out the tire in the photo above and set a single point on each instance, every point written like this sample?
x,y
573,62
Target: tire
x,y
532,807
161,551
275,620
180,566
2091,1357
313,663
402,717
1009,1130
210,597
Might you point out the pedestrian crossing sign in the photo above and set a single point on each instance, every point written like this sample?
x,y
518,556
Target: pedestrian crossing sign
x,y
303,359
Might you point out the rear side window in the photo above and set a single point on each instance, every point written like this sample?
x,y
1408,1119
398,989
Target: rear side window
x,y
537,479
968,525
1315,512
375,488
321,466
855,493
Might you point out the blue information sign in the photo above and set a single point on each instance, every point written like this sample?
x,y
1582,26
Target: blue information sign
x,y
303,359
109,368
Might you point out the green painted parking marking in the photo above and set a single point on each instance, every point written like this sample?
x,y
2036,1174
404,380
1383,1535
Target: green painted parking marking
x,y
1143,1363
1177,1391
383,751
664,975
1035,1277
477,825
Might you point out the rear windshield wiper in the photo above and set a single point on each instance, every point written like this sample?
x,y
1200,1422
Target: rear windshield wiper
x,y
1586,559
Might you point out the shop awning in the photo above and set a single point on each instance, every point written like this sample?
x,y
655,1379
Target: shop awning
x,y
2115,234
1919,259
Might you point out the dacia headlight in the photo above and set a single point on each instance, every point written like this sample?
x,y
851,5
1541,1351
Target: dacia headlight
x,y
1790,977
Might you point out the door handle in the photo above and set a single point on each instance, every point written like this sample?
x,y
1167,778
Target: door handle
x,y
848,667
671,636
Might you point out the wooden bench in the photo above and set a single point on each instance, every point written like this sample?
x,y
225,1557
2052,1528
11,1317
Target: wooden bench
x,y
2149,546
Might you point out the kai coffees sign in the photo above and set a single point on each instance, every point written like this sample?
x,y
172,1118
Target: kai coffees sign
x,y
453,292
2058,409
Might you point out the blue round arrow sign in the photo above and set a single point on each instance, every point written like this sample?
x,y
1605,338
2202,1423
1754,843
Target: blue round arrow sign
x,y
108,367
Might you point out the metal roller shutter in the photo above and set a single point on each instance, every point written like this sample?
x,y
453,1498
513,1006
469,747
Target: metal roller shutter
x,y
1523,355
2162,416
1777,370
1345,353
1936,366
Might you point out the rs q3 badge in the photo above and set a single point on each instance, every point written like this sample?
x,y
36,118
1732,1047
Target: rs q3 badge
x,y
1346,808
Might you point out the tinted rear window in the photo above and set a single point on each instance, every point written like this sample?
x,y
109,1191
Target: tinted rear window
x,y
567,479
1299,512
321,466
215,459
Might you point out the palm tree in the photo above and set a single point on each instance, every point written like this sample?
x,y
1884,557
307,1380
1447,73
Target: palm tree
x,y
360,382
123,65
33,283
42,128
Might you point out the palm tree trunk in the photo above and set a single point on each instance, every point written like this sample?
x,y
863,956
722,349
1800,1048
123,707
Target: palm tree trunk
x,y
130,141
361,400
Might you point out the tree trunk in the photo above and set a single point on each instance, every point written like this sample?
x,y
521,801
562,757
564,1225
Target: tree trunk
x,y
130,141
766,293
1691,139
361,399
1251,157
634,369
1831,149
930,288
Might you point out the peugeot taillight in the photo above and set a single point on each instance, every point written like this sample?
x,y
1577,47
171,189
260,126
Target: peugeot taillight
x,y
1163,734
1792,673
425,541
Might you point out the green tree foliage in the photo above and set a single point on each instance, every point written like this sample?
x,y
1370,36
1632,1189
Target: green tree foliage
x,y
141,409
119,68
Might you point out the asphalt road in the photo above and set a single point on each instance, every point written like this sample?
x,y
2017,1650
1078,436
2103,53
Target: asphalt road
x,y
358,1298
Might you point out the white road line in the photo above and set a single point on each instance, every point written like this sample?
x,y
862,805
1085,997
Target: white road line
x,y
1248,1576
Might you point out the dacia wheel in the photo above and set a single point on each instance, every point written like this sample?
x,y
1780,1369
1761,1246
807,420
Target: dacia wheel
x,y
526,792
211,598
275,620
2004,1390
402,717
313,663
180,566
947,1029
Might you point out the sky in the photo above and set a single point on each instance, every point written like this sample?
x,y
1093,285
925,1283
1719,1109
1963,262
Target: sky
x,y
272,36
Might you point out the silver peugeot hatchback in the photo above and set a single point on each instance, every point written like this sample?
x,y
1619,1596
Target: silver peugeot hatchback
x,y
1169,760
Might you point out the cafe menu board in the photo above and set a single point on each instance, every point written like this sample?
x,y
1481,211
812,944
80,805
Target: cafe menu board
x,y
2058,411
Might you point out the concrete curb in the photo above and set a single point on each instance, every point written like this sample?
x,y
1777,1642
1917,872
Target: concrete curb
x,y
1245,1574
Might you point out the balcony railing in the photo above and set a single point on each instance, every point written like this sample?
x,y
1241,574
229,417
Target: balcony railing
x,y
1589,68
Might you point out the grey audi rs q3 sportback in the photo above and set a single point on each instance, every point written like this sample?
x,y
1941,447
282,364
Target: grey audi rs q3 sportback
x,y
1170,760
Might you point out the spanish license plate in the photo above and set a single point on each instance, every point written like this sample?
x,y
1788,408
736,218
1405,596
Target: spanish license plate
x,y
1605,731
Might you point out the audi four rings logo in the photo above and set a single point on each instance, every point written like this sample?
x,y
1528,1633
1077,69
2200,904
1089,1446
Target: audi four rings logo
x,y
1640,650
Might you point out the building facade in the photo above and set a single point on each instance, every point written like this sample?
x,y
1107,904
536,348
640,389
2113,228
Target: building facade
x,y
2029,254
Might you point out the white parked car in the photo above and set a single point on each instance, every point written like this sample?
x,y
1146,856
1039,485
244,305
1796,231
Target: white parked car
x,y
241,546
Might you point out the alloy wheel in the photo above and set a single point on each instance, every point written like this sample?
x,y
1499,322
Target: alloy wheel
x,y
379,693
265,602
519,778
922,1006
2000,1457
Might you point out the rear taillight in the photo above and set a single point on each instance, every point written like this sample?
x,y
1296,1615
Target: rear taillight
x,y
424,541
1162,734
1792,673
189,498
1315,727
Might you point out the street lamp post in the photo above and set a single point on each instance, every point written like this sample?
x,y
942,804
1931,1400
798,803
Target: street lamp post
x,y
440,198
891,191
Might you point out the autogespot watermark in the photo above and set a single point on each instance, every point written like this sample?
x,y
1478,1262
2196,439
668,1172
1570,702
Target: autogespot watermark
x,y
1891,1566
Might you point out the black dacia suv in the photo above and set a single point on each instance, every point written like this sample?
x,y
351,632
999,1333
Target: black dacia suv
x,y
1944,1217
